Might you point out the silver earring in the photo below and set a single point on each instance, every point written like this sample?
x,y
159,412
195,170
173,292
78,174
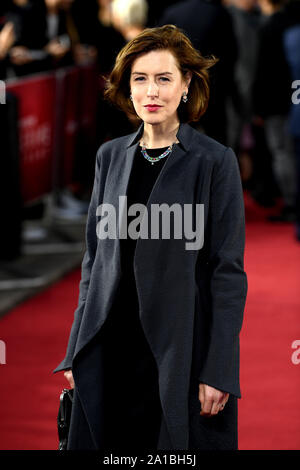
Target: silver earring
x,y
130,97
184,97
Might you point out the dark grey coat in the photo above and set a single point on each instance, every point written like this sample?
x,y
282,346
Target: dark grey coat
x,y
191,301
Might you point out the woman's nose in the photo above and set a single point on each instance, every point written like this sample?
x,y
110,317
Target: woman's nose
x,y
152,89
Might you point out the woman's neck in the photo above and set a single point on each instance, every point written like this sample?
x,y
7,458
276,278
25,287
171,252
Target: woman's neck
x,y
159,135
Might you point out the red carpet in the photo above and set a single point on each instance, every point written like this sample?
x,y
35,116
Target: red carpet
x,y
269,412
36,336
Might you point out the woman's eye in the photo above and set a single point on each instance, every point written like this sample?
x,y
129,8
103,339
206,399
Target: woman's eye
x,y
140,79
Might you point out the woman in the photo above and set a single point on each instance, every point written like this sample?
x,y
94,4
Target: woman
x,y
154,347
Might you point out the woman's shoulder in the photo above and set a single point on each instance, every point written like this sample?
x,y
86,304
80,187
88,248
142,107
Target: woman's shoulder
x,y
116,143
114,148
201,145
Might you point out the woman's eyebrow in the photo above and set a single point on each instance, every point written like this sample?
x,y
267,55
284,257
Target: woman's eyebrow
x,y
143,73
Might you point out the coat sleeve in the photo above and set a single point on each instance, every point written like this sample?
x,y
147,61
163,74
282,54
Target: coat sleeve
x,y
86,267
228,281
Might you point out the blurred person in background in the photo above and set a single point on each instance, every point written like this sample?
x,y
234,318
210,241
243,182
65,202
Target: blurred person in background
x,y
94,23
246,134
77,20
246,22
129,17
99,45
46,35
61,33
291,42
209,26
54,36
98,30
26,56
272,101
153,353
42,43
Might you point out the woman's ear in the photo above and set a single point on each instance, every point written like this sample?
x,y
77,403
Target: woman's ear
x,y
188,78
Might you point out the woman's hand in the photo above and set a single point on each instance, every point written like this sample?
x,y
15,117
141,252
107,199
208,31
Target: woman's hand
x,y
212,400
69,376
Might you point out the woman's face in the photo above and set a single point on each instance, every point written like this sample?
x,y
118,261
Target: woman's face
x,y
157,86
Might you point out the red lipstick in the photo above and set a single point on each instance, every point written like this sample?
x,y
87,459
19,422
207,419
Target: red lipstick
x,y
152,107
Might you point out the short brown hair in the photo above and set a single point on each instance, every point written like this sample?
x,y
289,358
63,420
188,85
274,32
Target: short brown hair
x,y
171,38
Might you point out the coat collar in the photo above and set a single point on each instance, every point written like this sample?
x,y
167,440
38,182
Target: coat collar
x,y
184,135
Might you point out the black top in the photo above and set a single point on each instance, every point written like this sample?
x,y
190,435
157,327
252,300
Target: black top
x,y
142,179
123,322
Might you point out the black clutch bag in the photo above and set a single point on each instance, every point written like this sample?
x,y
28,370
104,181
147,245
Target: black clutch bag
x,y
64,417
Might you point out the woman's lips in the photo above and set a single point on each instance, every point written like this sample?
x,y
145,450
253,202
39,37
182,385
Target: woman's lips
x,y
152,107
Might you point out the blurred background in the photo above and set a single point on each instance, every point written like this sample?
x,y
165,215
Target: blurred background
x,y
54,57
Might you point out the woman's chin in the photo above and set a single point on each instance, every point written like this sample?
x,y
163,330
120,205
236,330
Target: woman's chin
x,y
154,120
